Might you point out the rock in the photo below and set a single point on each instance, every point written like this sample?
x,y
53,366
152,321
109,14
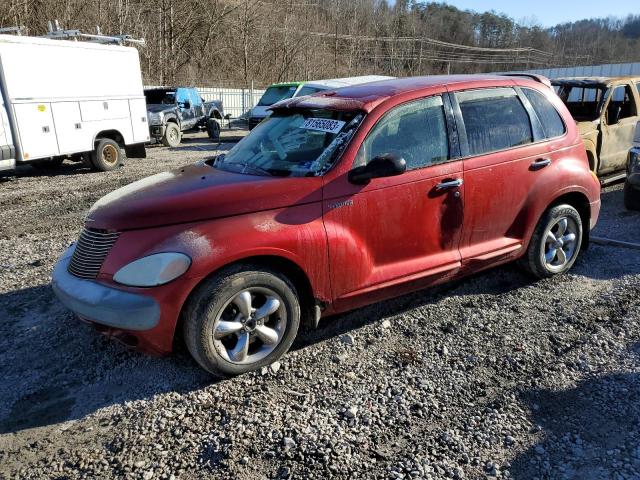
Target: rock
x,y
386,324
289,442
274,367
351,412
347,339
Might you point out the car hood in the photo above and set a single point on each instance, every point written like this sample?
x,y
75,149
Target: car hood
x,y
158,107
197,192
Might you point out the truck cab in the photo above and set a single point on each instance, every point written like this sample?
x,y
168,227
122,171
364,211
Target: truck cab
x,y
606,111
174,110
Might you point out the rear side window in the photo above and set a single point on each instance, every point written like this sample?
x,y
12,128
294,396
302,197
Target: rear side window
x,y
549,117
494,119
415,131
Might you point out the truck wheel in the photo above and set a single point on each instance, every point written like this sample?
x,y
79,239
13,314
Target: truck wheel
x,y
213,129
172,135
631,197
555,242
107,155
47,165
241,319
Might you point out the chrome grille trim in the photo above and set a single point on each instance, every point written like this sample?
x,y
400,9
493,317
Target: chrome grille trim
x,y
91,250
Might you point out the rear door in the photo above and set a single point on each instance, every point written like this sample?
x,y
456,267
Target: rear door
x,y
507,153
617,133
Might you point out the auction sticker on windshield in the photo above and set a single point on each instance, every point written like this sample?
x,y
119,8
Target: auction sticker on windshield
x,y
323,125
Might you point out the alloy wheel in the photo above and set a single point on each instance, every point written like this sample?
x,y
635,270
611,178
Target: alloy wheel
x,y
560,243
250,325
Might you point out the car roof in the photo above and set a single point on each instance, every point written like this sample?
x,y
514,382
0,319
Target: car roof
x,y
346,81
592,81
367,96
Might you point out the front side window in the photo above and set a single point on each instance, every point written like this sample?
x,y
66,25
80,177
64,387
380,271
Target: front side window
x,y
160,96
549,117
494,119
294,143
275,94
415,131
621,104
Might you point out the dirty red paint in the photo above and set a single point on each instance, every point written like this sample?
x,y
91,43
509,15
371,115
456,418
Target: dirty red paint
x,y
356,244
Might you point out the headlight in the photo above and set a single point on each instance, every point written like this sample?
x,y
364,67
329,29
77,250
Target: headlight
x,y
155,118
156,269
634,160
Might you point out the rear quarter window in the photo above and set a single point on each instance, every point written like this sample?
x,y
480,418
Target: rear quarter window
x,y
494,119
551,121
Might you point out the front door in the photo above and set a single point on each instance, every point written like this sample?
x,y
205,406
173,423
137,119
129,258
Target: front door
x,y
617,125
397,233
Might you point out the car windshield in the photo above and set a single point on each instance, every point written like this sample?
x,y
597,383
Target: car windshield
x,y
276,93
584,103
294,143
159,96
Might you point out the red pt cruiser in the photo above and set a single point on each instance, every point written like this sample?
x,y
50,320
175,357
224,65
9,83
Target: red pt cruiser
x,y
337,200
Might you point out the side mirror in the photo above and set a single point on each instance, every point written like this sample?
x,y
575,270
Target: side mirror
x,y
385,165
613,115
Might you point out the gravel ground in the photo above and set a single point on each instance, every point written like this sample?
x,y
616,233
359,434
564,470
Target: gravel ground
x,y
495,376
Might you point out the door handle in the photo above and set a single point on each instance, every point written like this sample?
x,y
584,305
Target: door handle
x,y
449,184
540,163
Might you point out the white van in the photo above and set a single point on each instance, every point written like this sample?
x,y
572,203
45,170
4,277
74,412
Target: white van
x,y
282,91
51,109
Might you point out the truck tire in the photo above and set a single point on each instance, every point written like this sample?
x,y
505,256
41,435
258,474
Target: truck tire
x,y
555,242
241,319
172,135
213,129
631,197
107,155
47,165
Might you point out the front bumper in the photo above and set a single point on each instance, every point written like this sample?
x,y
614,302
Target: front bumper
x,y
103,304
157,131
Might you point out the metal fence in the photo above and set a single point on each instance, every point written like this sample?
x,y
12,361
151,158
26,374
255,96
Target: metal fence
x,y
236,101
607,70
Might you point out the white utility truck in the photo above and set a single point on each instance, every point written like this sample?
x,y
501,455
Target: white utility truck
x,y
53,108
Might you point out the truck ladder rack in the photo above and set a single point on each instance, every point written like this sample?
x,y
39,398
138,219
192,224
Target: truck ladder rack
x,y
17,29
56,32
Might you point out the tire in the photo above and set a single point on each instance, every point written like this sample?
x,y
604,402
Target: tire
x,y
541,247
107,156
219,299
631,197
47,165
172,135
213,129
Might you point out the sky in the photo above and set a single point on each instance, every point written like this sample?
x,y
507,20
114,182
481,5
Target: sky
x,y
551,12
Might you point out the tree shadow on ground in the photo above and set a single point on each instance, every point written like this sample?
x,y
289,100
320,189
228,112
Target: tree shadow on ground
x,y
589,432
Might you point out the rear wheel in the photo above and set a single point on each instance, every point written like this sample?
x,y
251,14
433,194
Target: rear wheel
x,y
172,136
213,129
107,155
555,242
631,197
241,319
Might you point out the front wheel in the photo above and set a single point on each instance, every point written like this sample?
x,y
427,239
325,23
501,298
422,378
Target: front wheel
x,y
172,135
241,319
631,197
555,242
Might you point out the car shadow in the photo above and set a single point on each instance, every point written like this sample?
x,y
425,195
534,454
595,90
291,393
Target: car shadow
x,y
24,171
587,433
55,368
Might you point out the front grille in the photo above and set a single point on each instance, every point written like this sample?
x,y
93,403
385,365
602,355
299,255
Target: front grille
x,y
91,250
